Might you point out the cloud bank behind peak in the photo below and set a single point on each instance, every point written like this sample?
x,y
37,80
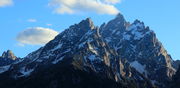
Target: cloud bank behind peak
x,y
85,6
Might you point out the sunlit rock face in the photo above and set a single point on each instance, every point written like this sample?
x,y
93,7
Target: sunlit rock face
x,y
9,54
7,58
125,54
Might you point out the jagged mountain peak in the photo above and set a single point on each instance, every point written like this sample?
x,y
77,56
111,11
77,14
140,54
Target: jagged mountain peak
x,y
137,30
114,27
89,20
138,21
7,58
9,54
140,46
119,16
137,25
66,40
119,19
88,23
117,50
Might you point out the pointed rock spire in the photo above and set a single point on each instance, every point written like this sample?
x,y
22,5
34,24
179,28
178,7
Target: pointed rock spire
x,y
88,23
118,24
120,16
9,54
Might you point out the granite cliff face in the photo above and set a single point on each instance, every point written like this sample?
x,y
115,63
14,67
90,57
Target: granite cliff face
x,y
122,54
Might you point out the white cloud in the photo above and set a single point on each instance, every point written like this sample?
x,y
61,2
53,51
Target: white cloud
x,y
85,6
4,3
32,20
112,1
36,36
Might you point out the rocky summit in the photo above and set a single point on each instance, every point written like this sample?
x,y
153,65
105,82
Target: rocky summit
x,y
9,54
118,54
7,58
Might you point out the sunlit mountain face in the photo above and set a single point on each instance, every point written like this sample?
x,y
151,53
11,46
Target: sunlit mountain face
x,y
89,44
118,54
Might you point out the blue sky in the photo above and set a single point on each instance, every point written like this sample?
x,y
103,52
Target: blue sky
x,y
162,16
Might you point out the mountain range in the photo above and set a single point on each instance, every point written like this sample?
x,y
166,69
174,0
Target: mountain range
x,y
118,54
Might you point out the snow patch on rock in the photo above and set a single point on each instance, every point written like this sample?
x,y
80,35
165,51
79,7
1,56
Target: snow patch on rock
x,y
57,60
25,72
139,67
4,68
57,47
